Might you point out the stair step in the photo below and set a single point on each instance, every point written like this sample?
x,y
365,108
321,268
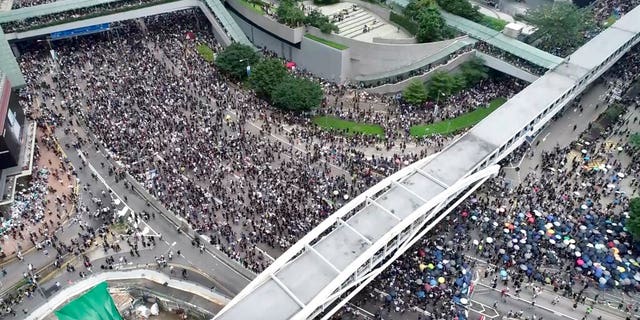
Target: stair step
x,y
359,32
358,26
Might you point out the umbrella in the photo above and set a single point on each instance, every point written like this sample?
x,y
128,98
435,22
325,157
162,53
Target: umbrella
x,y
602,281
584,151
419,281
476,242
620,174
523,267
464,300
611,186
489,240
441,280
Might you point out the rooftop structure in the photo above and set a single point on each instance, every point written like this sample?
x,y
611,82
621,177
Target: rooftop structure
x,y
328,266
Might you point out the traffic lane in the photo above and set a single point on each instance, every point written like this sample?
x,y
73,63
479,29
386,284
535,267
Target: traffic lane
x,y
223,273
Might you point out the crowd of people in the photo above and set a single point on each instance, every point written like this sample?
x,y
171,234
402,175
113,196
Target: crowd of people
x,y
513,59
561,228
604,9
187,134
219,156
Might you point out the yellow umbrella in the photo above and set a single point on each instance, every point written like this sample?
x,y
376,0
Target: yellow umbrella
x,y
422,266
441,280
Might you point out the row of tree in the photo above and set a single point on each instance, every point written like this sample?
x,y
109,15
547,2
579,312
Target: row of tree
x,y
442,84
269,78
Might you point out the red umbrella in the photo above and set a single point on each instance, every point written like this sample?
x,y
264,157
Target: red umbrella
x,y
190,35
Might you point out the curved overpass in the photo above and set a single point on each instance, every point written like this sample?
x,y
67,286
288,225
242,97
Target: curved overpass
x,y
80,287
329,265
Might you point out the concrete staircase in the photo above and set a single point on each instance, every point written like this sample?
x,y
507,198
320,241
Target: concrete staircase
x,y
353,25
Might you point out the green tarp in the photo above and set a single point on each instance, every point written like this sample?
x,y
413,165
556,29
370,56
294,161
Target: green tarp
x,y
96,304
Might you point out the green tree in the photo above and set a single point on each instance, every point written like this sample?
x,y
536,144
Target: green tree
x,y
431,25
461,8
474,71
561,25
297,94
633,222
320,21
442,85
634,140
290,14
266,75
235,58
413,9
415,93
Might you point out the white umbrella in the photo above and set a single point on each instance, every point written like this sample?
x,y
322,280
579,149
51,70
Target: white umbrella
x,y
476,242
346,196
583,227
523,241
620,174
552,241
584,207
584,151
611,186
576,193
578,254
620,149
489,240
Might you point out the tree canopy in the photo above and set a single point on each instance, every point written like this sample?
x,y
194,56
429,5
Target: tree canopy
x,y
633,223
296,94
442,85
561,26
474,71
415,93
235,58
290,14
317,19
431,25
461,8
266,74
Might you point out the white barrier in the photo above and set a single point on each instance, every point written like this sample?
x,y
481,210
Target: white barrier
x,y
80,287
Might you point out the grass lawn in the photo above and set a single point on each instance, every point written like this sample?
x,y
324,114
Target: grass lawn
x,y
205,52
327,42
253,6
456,124
348,127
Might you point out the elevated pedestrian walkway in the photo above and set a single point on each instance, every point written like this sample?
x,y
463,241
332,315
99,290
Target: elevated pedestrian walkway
x,y
499,40
218,9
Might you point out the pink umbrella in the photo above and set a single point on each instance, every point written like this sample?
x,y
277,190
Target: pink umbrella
x,y
580,262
